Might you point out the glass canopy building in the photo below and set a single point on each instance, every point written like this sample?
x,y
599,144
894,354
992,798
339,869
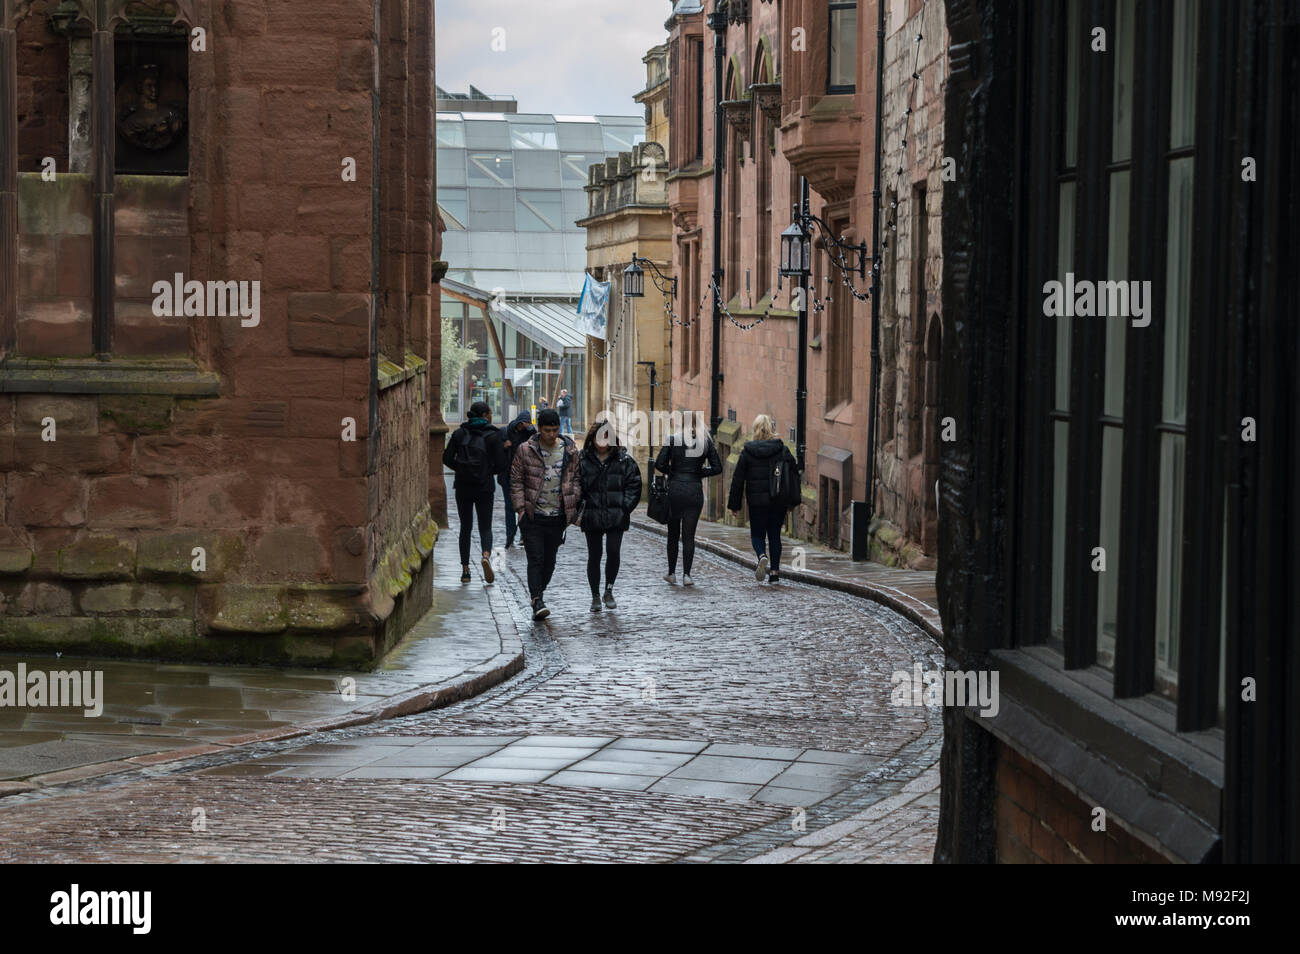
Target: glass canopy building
x,y
510,187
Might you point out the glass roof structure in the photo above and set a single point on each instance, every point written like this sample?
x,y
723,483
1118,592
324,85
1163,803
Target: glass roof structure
x,y
510,187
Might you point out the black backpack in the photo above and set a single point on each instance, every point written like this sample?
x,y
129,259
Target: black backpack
x,y
474,462
783,482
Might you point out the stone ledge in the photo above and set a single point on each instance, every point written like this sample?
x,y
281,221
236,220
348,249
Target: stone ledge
x,y
116,376
391,373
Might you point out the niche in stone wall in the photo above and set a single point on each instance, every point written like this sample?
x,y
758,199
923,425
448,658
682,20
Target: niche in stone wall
x,y
151,111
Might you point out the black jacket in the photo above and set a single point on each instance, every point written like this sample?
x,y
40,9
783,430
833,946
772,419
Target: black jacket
x,y
516,436
753,473
564,406
685,471
453,455
611,489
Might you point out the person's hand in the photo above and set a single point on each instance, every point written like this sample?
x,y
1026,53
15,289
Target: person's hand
x,y
735,513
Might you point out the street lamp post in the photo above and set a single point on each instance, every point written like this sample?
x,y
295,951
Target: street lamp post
x,y
717,23
796,262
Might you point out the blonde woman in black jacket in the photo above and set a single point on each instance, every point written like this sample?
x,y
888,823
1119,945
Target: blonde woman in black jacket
x,y
611,489
688,458
752,480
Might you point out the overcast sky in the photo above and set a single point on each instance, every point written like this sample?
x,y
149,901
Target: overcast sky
x,y
574,57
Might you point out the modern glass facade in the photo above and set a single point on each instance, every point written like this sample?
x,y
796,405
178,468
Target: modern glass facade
x,y
510,187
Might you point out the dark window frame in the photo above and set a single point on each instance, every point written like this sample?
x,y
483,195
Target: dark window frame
x,y
834,89
1200,535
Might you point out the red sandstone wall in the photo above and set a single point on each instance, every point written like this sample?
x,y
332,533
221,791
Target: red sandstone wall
x,y
42,91
296,521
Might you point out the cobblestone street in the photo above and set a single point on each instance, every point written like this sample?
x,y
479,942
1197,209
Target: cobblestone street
x,y
731,721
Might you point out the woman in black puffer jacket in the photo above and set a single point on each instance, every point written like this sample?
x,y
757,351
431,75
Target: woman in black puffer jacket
x,y
752,480
611,489
687,458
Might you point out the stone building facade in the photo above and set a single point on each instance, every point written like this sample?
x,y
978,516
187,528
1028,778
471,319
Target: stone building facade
x,y
628,215
911,326
799,93
236,469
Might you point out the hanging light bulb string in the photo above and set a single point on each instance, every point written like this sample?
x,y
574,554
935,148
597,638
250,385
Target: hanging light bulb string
x,y
613,341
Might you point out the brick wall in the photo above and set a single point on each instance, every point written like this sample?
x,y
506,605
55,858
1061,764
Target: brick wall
x,y
1040,821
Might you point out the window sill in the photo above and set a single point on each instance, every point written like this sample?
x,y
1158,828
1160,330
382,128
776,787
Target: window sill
x,y
118,375
1115,753
841,413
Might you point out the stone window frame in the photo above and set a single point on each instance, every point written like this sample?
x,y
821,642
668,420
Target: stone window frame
x,y
106,373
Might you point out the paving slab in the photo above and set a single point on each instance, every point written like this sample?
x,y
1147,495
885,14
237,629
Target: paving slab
x,y
454,651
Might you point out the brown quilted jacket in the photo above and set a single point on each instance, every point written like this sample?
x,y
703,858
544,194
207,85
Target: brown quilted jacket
x,y
526,479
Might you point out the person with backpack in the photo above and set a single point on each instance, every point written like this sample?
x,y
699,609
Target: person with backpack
x,y
768,476
611,489
545,492
688,458
474,454
516,435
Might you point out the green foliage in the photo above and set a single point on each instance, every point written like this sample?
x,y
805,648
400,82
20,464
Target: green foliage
x,y
456,357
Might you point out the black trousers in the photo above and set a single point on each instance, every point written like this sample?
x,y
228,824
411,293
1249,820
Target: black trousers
x,y
542,538
471,502
682,527
613,550
765,533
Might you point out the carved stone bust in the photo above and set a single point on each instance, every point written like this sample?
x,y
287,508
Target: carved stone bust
x,y
144,119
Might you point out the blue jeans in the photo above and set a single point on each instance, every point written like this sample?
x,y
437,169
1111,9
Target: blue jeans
x,y
566,424
765,533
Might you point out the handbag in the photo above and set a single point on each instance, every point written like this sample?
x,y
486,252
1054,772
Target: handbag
x,y
658,509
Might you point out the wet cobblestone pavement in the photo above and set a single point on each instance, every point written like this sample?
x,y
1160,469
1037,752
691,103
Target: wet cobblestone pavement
x,y
730,721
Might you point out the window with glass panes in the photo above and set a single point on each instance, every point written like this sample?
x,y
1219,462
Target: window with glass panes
x,y
1110,172
843,46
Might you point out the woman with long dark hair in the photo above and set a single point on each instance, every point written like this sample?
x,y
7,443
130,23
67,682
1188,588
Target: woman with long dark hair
x,y
688,458
611,489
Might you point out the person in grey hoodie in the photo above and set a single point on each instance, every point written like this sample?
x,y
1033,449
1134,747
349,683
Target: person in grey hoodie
x,y
752,480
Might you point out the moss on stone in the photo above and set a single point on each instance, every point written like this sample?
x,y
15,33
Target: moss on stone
x,y
137,413
100,557
14,560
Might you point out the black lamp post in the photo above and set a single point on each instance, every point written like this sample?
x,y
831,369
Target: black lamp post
x,y
796,262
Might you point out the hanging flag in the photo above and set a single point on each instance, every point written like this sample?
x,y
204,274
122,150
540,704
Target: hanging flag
x,y
593,307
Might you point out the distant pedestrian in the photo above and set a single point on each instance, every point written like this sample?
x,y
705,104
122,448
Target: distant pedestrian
x,y
611,489
564,407
545,494
474,454
688,457
516,435
757,479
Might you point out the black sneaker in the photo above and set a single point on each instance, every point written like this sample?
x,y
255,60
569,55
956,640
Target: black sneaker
x,y
774,578
488,575
539,609
464,575
609,597
595,604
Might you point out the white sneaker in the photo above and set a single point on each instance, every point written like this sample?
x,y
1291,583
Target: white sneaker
x,y
686,580
760,571
670,578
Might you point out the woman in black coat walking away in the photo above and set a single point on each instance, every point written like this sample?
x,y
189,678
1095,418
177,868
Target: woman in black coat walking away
x,y
687,458
753,480
611,489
